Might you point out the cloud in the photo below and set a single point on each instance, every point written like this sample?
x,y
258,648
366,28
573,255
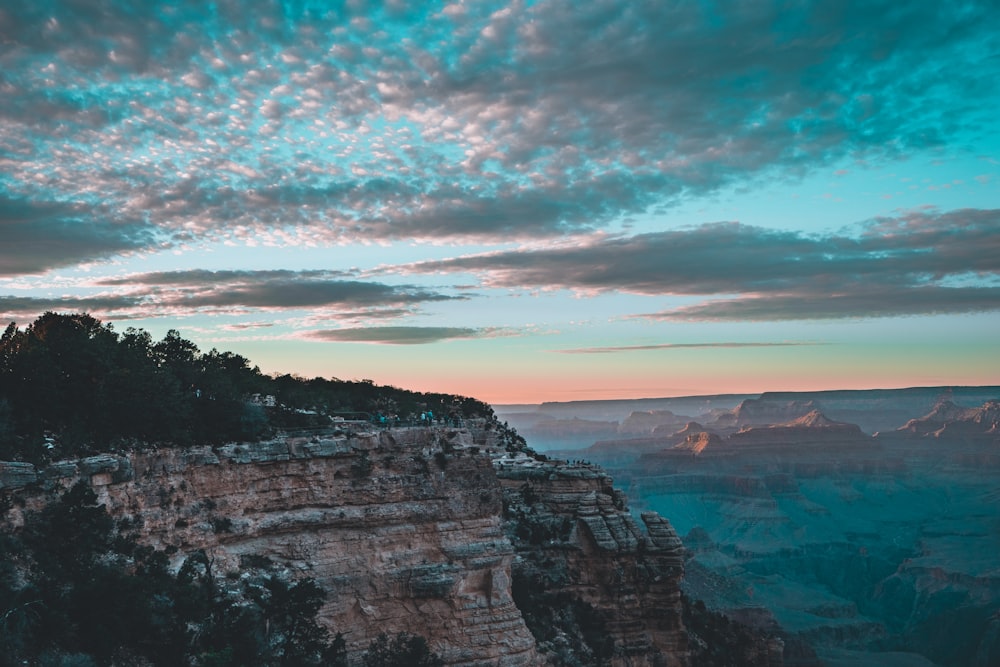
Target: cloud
x,y
280,289
676,346
19,307
394,335
243,326
161,294
38,236
916,263
200,277
501,120
861,303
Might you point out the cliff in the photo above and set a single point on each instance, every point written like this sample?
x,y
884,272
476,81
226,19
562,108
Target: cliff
x,y
430,531
402,528
866,550
594,587
947,420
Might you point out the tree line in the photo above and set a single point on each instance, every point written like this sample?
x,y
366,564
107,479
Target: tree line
x,y
72,385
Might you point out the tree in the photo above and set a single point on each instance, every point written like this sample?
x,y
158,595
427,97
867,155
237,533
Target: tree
x,y
70,385
58,374
10,342
179,357
293,635
403,650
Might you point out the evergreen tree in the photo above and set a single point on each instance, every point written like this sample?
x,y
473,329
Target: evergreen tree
x,y
403,650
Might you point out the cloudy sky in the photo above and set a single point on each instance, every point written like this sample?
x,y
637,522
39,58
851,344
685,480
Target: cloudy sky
x,y
518,201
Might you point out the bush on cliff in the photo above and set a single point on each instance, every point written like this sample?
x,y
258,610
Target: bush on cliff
x,y
76,589
403,650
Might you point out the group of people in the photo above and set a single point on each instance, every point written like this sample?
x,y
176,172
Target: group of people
x,y
426,418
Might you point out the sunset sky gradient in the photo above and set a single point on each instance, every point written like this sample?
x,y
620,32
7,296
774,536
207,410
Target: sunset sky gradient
x,y
517,201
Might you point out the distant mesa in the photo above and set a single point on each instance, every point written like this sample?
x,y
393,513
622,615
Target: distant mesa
x,y
664,437
697,442
692,427
812,427
816,419
618,431
762,412
811,432
671,430
949,420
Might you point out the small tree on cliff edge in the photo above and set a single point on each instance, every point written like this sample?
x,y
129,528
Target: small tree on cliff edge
x,y
403,650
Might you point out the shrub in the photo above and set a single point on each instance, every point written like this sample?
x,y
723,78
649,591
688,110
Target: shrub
x,y
403,650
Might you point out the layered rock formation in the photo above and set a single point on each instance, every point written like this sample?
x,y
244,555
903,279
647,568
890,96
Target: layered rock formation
x,y
761,412
430,531
885,409
867,550
947,420
402,528
580,550
810,444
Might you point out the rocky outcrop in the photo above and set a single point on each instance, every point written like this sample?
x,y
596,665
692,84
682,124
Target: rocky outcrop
x,y
432,531
402,528
696,442
16,474
947,420
580,550
690,428
809,429
762,412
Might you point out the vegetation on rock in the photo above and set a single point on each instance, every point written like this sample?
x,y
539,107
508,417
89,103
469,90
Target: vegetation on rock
x,y
719,641
403,650
70,385
108,600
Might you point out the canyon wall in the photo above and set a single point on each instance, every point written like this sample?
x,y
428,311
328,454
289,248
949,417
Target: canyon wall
x,y
402,528
407,530
582,553
865,549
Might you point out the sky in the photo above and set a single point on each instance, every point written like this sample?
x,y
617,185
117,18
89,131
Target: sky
x,y
517,201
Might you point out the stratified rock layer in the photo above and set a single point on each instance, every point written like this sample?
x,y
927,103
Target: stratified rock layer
x,y
577,544
867,550
402,528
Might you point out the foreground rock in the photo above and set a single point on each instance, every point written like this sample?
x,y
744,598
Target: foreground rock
x,y
496,558
402,528
595,588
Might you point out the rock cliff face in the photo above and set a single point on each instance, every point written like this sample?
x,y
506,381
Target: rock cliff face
x,y
947,420
762,412
402,528
431,531
867,550
581,552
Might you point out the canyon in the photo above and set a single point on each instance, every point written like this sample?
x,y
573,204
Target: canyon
x,y
829,528
863,524
423,530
